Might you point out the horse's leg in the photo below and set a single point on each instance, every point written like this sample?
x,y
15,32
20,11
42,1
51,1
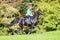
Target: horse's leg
x,y
21,28
17,31
30,29
39,28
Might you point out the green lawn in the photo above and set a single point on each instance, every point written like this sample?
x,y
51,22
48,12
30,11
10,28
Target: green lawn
x,y
54,35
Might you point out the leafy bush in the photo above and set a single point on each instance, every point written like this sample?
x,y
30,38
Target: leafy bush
x,y
50,19
7,14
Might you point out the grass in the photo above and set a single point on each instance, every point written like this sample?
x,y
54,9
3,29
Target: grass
x,y
54,35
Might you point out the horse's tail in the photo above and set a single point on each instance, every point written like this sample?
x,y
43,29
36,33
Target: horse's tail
x,y
14,21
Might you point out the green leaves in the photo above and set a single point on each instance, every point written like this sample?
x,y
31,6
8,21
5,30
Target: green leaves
x,y
51,14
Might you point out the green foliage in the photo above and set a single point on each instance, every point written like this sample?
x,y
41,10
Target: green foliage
x,y
49,21
7,14
51,17
23,8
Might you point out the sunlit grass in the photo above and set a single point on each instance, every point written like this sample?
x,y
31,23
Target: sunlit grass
x,y
55,35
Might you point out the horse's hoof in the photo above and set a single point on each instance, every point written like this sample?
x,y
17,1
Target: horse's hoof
x,y
24,33
29,32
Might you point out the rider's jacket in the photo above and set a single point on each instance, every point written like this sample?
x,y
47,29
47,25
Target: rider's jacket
x,y
29,12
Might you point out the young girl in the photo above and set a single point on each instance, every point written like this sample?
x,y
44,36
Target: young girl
x,y
29,10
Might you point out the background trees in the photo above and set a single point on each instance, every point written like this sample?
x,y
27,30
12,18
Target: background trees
x,y
49,21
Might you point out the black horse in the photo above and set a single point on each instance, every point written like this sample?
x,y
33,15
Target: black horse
x,y
26,22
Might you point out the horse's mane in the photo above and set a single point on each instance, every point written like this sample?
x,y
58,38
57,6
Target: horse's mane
x,y
35,13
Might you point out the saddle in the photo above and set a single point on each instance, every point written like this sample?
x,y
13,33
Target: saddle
x,y
28,19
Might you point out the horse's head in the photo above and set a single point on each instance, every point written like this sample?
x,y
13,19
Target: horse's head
x,y
40,12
